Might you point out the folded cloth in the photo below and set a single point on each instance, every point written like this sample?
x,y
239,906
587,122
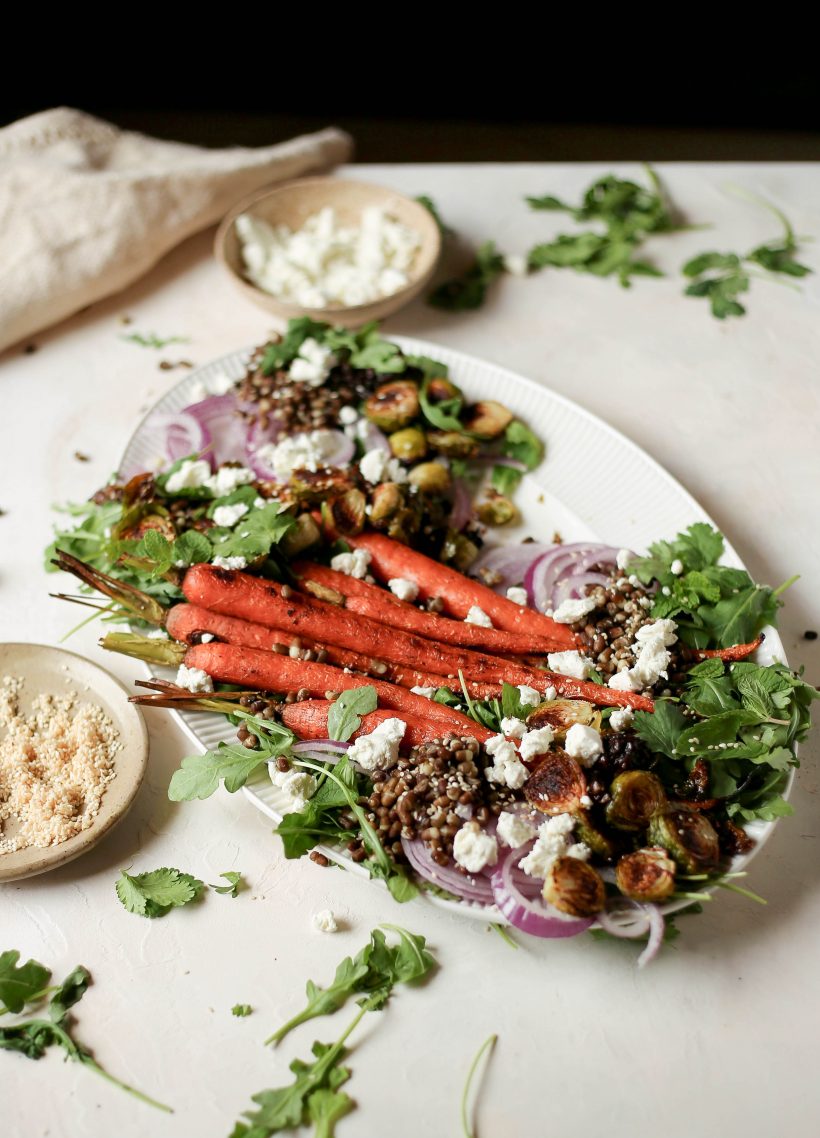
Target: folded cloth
x,y
87,208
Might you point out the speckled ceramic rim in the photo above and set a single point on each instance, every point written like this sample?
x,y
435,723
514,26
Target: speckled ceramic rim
x,y
56,671
564,492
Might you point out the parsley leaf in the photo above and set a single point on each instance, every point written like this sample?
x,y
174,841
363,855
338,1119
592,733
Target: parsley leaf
x,y
344,717
254,535
660,729
20,985
241,1010
235,883
470,289
155,893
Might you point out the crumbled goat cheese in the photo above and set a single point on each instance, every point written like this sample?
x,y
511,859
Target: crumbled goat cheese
x,y
550,694
536,742
651,652
428,693
192,474
570,611
405,590
325,921
676,567
584,744
229,562
376,466
621,718
229,515
553,842
513,830
326,262
352,564
528,696
380,748
306,451
299,786
623,558
312,363
228,478
507,768
517,594
194,679
513,728
569,664
622,681
206,637
478,616
473,848
515,263
348,416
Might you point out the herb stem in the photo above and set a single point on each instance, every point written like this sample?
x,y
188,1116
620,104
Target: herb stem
x,y
505,936
743,892
87,1061
486,1046
786,585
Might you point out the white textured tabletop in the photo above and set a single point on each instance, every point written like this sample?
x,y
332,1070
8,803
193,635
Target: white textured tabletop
x,y
719,1036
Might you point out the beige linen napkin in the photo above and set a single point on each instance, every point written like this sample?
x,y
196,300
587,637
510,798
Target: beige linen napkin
x,y
86,208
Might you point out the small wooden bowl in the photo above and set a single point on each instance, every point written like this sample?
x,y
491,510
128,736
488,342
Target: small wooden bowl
x,y
293,203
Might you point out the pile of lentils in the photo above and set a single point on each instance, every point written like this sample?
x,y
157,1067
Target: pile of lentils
x,y
296,404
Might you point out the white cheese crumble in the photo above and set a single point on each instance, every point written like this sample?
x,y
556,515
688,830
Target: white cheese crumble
x,y
516,264
553,842
352,564
550,694
584,744
299,786
428,693
377,466
325,921
621,718
194,679
402,588
569,664
513,830
517,594
622,681
192,473
229,562
206,637
380,748
513,728
623,558
536,742
306,451
348,416
228,516
569,611
652,657
312,363
676,567
326,262
478,616
507,768
474,849
528,696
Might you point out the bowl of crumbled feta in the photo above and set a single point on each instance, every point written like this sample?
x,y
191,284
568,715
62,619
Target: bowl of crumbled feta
x,y
327,247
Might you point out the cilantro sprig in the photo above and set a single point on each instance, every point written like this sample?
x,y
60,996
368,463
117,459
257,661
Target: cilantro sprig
x,y
157,892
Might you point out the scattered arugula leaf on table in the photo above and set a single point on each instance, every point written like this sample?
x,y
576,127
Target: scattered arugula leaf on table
x,y
155,893
241,1010
50,1024
152,340
235,883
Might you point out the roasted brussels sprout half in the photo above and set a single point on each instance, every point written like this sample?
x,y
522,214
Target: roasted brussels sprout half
x,y
458,550
600,843
393,405
689,837
430,478
486,419
386,500
453,444
497,511
560,714
409,444
345,515
646,875
304,534
142,517
557,784
636,797
438,389
574,887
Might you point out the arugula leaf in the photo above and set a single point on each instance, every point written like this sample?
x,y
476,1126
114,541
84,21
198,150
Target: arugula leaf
x,y
660,729
235,883
470,289
155,893
344,717
511,705
325,1108
506,480
20,985
432,209
443,414
520,443
199,775
430,369
367,349
241,1010
283,353
152,340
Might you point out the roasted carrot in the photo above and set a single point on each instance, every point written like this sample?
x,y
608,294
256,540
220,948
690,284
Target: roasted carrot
x,y
308,720
735,652
266,602
390,558
260,670
379,604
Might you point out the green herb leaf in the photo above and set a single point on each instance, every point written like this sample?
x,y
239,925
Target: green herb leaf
x,y
660,729
344,717
432,209
200,775
241,1010
282,354
325,1108
469,291
20,985
152,340
192,548
443,414
520,443
235,883
155,893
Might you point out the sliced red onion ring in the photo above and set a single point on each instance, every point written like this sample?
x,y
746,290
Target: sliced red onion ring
x,y
529,914
510,561
574,587
560,573
462,505
372,438
318,745
632,919
217,415
657,929
184,434
475,888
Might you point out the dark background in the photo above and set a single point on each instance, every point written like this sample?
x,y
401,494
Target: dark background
x,y
439,114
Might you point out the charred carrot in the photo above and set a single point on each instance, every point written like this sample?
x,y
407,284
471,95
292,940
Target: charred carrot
x,y
390,558
278,606
257,669
308,720
378,604
735,652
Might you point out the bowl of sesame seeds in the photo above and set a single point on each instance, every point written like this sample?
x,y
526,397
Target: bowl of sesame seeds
x,y
73,754
332,249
